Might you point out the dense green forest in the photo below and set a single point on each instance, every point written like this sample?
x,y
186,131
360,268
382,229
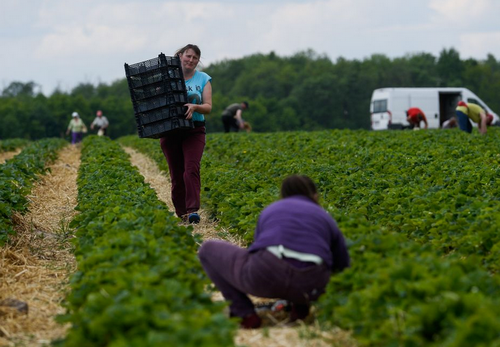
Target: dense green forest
x,y
305,91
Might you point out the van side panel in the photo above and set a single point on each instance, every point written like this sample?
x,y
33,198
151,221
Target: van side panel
x,y
398,105
428,102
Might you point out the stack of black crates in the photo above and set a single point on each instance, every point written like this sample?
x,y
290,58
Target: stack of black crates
x,y
158,95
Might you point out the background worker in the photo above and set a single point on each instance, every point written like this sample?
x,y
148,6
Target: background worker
x,y
101,122
414,116
232,117
450,123
297,246
467,112
184,149
77,128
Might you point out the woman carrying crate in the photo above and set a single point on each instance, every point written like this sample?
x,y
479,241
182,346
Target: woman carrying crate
x,y
184,149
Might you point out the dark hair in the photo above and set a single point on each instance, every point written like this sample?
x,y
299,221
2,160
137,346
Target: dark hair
x,y
246,104
299,185
195,48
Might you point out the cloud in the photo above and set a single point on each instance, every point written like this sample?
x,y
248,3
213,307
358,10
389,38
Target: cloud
x,y
479,44
465,13
67,41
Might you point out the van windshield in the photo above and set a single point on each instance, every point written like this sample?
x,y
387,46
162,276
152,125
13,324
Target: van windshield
x,y
379,106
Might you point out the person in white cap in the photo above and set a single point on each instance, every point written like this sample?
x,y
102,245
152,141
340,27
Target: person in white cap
x,y
77,128
101,122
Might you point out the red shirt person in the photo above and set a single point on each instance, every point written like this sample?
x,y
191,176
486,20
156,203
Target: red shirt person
x,y
414,116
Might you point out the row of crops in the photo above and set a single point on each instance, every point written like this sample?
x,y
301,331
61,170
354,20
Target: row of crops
x,y
420,210
139,282
18,174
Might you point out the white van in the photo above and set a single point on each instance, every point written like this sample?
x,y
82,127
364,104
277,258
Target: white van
x,y
388,105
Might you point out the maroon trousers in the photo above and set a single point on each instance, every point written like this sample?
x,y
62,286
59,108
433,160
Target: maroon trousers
x,y
236,272
183,151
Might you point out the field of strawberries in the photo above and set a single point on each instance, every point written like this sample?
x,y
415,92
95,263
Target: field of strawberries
x,y
420,211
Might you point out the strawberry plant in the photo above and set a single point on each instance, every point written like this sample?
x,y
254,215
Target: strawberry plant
x,y
17,176
12,144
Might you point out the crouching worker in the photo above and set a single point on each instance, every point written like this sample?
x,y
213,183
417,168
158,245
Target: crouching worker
x,y
415,116
467,112
297,246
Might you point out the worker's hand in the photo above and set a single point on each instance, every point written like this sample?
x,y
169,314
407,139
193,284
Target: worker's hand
x,y
190,109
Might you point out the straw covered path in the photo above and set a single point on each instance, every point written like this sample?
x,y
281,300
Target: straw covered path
x,y
35,267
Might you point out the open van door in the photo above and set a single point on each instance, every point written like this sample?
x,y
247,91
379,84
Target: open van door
x,y
447,105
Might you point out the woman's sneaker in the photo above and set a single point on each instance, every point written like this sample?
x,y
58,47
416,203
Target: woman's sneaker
x,y
194,218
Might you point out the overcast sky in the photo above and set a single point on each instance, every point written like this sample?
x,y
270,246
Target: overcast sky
x,y
62,43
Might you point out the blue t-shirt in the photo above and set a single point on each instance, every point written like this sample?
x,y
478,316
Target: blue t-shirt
x,y
195,87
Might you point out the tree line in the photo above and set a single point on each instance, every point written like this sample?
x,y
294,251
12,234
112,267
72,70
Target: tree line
x,y
305,91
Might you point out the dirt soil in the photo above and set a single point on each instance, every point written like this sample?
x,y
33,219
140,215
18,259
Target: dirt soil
x,y
8,155
35,267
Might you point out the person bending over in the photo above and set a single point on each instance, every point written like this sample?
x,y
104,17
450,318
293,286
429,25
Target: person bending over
x,y
297,246
232,117
467,112
414,116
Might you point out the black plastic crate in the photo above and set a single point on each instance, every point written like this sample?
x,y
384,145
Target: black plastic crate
x,y
160,129
162,61
160,114
158,87
154,70
171,99
165,86
148,91
158,94
156,76
145,79
143,67
169,61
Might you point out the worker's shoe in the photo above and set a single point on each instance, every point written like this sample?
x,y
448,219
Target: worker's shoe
x,y
299,312
252,321
194,218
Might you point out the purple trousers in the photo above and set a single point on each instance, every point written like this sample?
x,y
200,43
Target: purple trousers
x,y
183,151
76,137
236,272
